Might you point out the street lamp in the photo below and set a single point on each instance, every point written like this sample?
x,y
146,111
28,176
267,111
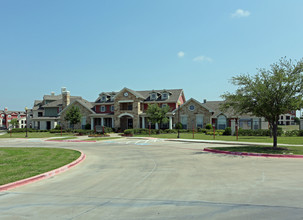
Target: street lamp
x,y
26,121
178,121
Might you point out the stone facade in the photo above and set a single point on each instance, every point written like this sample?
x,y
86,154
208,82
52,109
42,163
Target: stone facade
x,y
123,116
84,112
191,109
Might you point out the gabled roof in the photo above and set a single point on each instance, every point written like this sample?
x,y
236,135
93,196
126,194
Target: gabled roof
x,y
173,98
58,103
229,113
52,97
197,102
82,102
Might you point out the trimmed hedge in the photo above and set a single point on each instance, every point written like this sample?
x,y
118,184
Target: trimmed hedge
x,y
257,132
294,133
20,130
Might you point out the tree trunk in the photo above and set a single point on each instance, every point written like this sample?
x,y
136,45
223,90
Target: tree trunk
x,y
275,134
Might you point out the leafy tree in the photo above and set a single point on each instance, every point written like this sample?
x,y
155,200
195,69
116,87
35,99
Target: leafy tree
x,y
269,93
297,120
14,122
73,115
156,114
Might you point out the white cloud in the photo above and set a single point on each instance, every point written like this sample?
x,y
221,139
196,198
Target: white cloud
x,y
202,59
239,13
181,54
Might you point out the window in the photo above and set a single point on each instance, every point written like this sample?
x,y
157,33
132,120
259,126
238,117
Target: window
x,y
281,117
40,114
221,122
199,121
103,98
9,116
112,108
153,96
256,123
164,105
102,108
287,117
126,106
83,122
184,121
164,96
191,107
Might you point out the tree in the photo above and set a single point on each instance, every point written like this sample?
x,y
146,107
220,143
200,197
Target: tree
x,y
14,122
297,120
156,114
269,93
73,115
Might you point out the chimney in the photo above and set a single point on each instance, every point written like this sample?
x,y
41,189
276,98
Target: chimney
x,y
52,93
204,101
65,97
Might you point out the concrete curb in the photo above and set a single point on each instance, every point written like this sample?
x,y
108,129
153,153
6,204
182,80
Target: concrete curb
x,y
43,175
69,140
252,154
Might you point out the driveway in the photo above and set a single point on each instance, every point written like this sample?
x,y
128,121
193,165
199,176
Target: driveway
x,y
156,179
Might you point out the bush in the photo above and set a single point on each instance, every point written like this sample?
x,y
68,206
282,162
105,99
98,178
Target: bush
x,y
87,127
257,132
129,131
58,127
179,126
227,131
209,126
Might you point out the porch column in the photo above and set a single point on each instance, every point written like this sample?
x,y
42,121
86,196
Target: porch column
x,y
170,122
143,122
92,123
157,126
102,121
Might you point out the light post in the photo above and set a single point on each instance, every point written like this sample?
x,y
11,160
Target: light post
x,y
26,121
214,127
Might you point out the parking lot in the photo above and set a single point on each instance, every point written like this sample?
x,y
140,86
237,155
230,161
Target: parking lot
x,y
157,179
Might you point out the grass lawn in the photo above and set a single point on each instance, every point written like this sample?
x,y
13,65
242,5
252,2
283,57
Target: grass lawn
x,y
101,138
259,139
21,163
34,135
263,149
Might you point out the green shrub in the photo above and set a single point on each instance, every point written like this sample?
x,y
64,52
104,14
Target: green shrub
x,y
209,126
227,131
58,127
179,126
87,127
129,131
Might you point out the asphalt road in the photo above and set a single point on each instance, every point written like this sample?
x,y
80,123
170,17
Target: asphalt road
x,y
156,179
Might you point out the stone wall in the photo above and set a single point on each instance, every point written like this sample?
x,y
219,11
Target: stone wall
x,y
84,112
191,115
134,112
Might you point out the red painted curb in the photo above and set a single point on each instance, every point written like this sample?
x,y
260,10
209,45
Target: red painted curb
x,y
69,140
252,154
43,175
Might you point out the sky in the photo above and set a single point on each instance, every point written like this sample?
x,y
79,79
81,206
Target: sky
x,y
98,46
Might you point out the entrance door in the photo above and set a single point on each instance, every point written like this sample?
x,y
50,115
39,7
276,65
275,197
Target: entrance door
x,y
48,125
129,123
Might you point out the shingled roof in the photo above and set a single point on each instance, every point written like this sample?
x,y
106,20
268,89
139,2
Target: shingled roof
x,y
229,113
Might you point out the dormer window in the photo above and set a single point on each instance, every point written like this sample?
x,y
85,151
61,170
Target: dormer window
x,y
153,96
103,98
164,96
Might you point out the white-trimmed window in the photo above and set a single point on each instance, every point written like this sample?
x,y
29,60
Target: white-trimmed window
x,y
184,121
83,122
199,121
9,116
112,108
164,96
191,107
256,123
153,96
103,98
102,108
221,122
